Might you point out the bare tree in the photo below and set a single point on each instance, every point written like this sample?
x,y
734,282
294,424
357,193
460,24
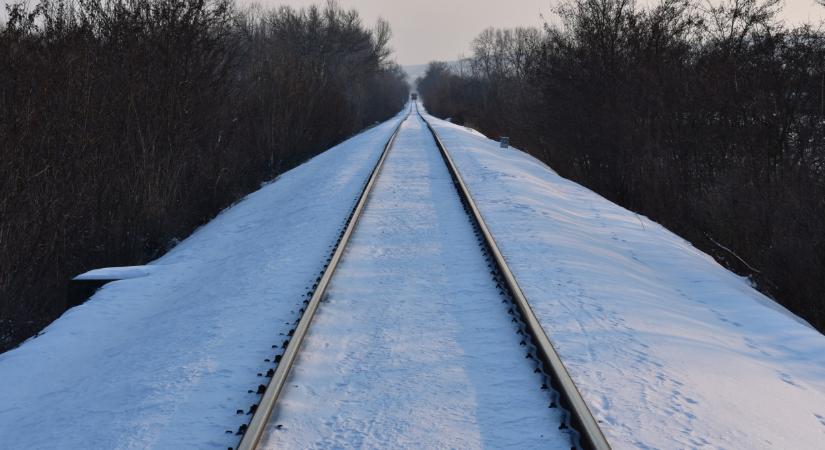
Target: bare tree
x,y
707,118
126,124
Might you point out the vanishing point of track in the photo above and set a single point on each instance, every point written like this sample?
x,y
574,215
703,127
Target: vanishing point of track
x,y
580,417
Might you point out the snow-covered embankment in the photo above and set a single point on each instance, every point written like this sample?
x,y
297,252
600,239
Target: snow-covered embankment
x,y
165,360
670,349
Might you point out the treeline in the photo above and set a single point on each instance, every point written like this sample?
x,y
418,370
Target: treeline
x,y
125,124
709,120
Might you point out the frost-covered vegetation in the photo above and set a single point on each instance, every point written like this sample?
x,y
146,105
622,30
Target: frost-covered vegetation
x,y
125,124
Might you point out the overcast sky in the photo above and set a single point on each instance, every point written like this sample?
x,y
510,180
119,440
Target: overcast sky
x,y
426,30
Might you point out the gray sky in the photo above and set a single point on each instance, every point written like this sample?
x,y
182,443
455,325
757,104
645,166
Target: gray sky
x,y
426,30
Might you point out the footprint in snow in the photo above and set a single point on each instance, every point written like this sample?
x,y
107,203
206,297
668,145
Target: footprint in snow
x,y
788,379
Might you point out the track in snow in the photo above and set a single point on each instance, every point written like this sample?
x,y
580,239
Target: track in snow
x,y
413,345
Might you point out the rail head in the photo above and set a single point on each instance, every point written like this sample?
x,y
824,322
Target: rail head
x,y
254,431
591,435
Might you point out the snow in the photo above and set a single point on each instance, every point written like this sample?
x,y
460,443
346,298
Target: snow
x,y
165,360
413,346
116,273
669,349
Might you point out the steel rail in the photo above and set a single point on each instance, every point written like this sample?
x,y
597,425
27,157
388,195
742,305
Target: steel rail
x,y
254,431
591,436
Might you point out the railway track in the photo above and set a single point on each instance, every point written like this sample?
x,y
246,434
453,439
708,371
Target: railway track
x,y
566,395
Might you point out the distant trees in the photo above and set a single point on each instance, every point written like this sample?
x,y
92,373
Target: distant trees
x,y
126,123
710,120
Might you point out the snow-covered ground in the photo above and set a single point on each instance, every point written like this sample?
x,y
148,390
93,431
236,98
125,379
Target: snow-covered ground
x,y
669,349
165,360
413,347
